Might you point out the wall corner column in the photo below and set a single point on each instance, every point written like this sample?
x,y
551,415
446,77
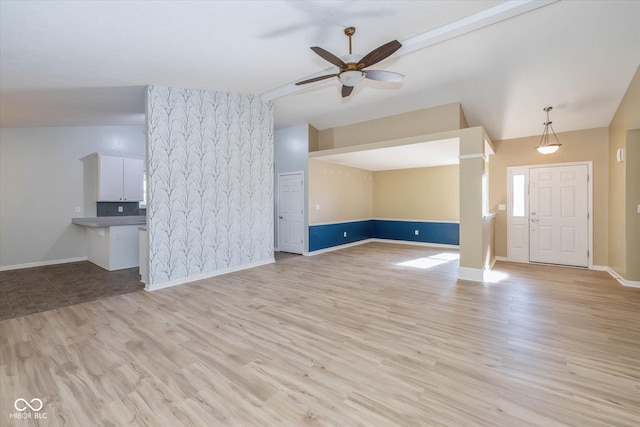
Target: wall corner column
x,y
472,237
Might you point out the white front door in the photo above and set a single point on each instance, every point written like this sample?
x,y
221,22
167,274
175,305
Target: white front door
x,y
559,215
291,212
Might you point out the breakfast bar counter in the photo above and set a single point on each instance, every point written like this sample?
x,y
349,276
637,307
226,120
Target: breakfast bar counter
x,y
110,221
112,241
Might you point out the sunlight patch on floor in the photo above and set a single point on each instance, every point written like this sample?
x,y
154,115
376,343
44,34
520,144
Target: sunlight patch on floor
x,y
493,276
431,261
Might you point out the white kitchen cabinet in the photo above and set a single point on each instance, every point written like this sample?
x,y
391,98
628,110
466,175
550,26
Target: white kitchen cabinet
x,y
113,248
132,179
120,179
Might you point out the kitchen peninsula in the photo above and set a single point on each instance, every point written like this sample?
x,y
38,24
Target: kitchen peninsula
x,y
113,241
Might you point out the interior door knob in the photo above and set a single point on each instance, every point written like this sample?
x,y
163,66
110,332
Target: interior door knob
x,y
280,217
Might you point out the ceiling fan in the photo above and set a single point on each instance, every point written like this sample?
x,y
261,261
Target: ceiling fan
x,y
352,68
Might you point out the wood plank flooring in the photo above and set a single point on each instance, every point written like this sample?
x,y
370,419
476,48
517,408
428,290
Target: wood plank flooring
x,y
339,339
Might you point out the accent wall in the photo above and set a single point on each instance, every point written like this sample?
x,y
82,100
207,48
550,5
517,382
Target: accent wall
x,y
210,183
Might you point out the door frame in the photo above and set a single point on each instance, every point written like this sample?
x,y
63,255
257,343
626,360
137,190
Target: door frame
x,y
589,165
277,210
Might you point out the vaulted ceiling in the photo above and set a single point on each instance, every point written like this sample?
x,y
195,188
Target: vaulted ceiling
x,y
75,63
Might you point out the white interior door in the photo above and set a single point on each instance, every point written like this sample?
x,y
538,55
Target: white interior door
x,y
291,212
559,215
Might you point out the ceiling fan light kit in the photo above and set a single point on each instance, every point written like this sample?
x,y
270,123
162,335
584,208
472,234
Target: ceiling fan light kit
x,y
546,147
351,78
352,66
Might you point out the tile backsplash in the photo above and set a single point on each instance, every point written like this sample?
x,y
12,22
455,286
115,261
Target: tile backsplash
x,y
111,209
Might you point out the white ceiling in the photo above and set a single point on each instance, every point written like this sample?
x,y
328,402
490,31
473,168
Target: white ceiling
x,y
87,62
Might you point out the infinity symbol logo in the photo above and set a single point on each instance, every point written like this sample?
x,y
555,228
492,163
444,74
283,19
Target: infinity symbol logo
x,y
37,404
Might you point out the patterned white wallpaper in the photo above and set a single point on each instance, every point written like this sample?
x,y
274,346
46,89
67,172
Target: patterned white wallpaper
x,y
210,182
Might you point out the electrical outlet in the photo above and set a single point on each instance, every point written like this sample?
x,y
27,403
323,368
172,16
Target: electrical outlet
x,y
345,234
638,208
417,232
77,209
317,207
120,209
502,207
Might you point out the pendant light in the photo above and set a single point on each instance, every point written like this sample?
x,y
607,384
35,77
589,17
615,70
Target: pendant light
x,y
546,147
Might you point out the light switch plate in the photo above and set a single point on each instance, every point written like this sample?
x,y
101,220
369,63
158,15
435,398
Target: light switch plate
x,y
638,208
317,207
345,234
77,209
502,207
417,232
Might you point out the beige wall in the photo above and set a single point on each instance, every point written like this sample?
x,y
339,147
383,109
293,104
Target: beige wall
x,y
473,237
313,138
633,201
342,193
430,194
583,145
623,253
421,122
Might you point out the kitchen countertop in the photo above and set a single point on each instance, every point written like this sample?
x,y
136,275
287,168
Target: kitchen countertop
x,y
110,221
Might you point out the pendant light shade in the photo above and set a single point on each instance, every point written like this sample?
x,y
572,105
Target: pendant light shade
x,y
545,146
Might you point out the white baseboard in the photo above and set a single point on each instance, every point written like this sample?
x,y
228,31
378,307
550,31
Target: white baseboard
x,y
400,242
409,242
42,263
593,267
335,248
189,279
472,274
621,280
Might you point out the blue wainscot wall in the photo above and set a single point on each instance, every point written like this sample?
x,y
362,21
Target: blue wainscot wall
x,y
330,235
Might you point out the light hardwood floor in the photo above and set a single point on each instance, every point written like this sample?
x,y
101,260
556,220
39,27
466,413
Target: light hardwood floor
x,y
343,338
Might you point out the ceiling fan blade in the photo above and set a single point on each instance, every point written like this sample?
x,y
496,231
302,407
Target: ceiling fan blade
x,y
316,79
384,76
329,57
380,53
346,90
